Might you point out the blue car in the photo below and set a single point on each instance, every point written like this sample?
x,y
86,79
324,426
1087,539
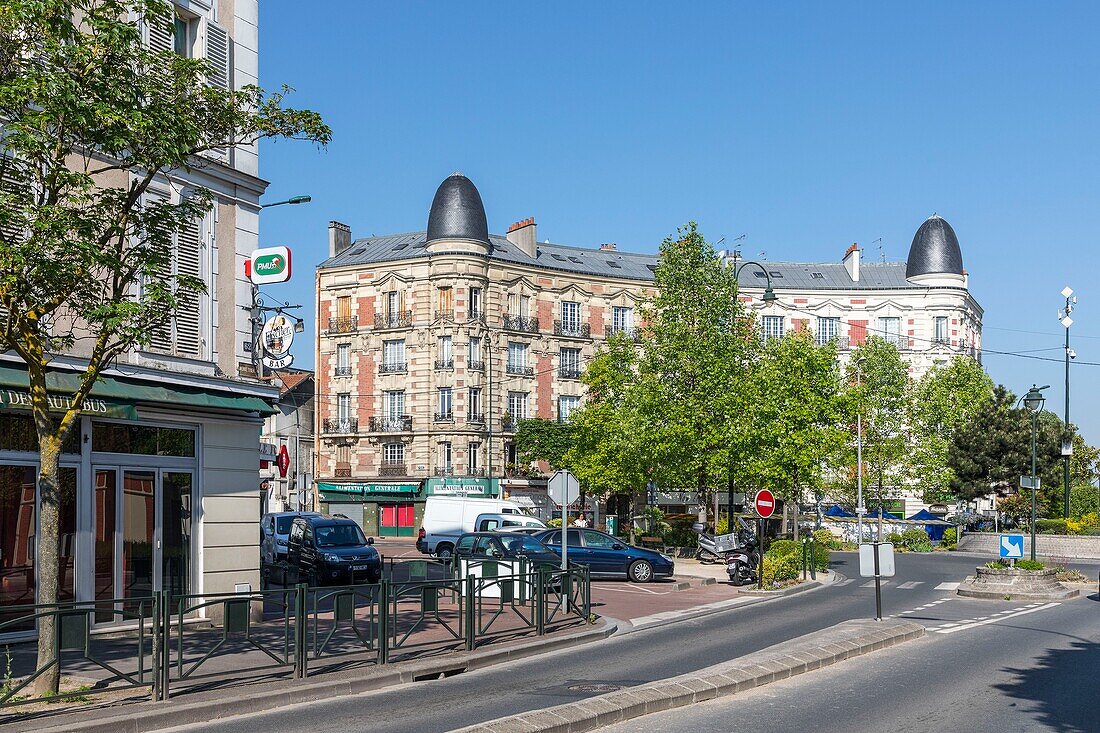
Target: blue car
x,y
607,555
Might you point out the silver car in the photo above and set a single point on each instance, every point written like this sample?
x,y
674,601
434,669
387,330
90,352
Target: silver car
x,y
274,532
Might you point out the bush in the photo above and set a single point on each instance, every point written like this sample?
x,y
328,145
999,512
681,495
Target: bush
x,y
780,568
828,540
1029,565
950,537
916,540
781,548
996,564
679,535
793,549
1085,524
554,523
1051,526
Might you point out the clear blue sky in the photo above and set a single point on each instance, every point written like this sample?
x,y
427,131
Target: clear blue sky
x,y
806,127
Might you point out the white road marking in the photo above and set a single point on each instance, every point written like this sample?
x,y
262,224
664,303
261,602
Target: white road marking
x,y
642,621
844,582
910,584
952,628
947,586
871,583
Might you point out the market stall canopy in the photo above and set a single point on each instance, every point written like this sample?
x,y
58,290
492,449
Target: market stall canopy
x,y
935,527
838,511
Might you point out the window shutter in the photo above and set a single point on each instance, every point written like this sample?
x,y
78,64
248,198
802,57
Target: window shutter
x,y
161,336
217,54
158,31
188,317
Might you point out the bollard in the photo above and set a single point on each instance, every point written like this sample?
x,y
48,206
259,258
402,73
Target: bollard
x,y
383,622
813,558
471,613
300,630
540,602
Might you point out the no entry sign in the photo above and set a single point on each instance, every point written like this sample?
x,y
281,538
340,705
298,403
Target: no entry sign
x,y
764,503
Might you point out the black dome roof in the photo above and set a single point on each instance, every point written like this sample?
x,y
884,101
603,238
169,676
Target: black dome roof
x,y
457,211
935,250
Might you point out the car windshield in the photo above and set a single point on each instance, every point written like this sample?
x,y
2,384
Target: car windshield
x,y
282,524
523,543
339,535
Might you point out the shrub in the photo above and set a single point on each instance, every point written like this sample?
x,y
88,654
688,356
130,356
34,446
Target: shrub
x,y
554,523
916,540
950,537
1051,526
996,564
1085,524
679,535
1029,565
828,540
895,539
793,549
781,548
780,568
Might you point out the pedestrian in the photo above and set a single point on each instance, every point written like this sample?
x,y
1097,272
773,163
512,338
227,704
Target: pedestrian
x,y
580,522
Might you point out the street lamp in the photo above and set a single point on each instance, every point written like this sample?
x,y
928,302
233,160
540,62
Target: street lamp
x,y
1033,401
292,200
1067,441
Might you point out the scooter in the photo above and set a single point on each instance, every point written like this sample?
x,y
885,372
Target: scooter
x,y
706,551
742,562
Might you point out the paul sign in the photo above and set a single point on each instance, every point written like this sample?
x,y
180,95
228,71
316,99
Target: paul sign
x,y
276,338
268,265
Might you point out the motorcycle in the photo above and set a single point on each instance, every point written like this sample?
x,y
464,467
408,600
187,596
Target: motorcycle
x,y
742,561
706,550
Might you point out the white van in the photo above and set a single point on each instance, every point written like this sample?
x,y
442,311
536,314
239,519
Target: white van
x,y
447,517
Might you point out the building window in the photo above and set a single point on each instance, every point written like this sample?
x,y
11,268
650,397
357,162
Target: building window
x,y
940,333
772,327
517,406
519,305
473,358
890,329
343,360
474,405
566,405
827,330
343,306
622,320
445,403
446,358
446,301
446,458
393,453
511,455
570,364
393,355
517,358
570,316
343,454
473,458
393,305
475,303
183,37
343,406
393,403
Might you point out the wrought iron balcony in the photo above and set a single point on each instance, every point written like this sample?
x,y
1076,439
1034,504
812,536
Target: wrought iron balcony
x,y
475,417
523,371
342,371
395,367
339,425
393,468
343,470
630,333
941,341
447,416
445,471
476,315
473,472
447,314
397,319
521,323
580,330
343,324
475,365
395,424
508,425
569,372
902,342
443,364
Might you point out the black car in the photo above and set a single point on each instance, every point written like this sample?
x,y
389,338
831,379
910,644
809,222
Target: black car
x,y
505,546
324,550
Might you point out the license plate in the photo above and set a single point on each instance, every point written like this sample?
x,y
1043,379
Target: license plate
x,y
358,567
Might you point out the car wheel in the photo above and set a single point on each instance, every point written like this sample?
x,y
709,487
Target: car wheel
x,y
444,551
640,571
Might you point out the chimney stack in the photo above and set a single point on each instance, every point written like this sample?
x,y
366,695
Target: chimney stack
x,y
522,235
851,262
339,238
609,247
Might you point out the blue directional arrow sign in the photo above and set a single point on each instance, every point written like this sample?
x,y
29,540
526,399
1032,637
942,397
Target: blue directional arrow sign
x,y
1012,545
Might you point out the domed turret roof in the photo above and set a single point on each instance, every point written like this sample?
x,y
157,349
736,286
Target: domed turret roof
x,y
457,211
935,250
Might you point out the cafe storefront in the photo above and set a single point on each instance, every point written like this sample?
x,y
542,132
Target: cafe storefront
x,y
157,486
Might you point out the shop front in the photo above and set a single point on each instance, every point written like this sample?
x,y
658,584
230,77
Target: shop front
x,y
157,488
381,509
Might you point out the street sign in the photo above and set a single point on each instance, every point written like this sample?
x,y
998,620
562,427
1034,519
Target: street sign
x,y
1030,482
563,488
1012,546
268,265
885,560
276,338
764,503
283,461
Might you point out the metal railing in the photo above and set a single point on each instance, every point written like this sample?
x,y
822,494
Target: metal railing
x,y
397,319
342,371
342,472
393,469
581,330
393,367
343,324
394,424
447,314
475,365
523,324
338,425
445,471
569,372
631,333
444,416
521,370
441,364
475,417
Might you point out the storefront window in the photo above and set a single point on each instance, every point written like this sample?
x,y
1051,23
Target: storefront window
x,y
17,433
146,440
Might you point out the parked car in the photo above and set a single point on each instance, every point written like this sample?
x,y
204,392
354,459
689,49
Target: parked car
x,y
507,523
505,546
323,550
606,555
446,518
274,531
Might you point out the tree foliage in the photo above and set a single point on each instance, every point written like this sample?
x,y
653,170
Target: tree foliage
x,y
540,439
91,118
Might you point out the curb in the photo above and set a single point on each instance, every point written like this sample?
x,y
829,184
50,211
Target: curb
x,y
192,709
804,654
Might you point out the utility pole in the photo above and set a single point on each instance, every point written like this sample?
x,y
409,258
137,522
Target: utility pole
x,y
1067,441
860,509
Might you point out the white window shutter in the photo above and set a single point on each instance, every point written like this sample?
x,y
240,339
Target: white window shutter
x,y
161,337
188,317
218,56
158,33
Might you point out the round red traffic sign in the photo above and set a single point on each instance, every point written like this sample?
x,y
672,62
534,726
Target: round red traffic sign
x,y
764,503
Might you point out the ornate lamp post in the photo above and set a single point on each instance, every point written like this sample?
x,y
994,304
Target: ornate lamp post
x,y
1033,401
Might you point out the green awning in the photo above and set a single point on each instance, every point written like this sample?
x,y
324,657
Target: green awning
x,y
360,490
117,397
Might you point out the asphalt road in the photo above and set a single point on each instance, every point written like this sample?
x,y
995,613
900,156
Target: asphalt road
x,y
1036,671
628,659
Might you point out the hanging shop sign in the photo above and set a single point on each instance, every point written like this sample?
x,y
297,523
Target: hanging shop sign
x,y
276,338
268,265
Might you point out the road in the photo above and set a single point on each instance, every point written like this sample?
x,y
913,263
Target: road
x,y
629,659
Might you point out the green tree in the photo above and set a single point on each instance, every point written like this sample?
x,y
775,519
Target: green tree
x,y
539,439
941,402
91,117
881,395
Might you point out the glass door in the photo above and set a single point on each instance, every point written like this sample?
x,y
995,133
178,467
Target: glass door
x,y
137,536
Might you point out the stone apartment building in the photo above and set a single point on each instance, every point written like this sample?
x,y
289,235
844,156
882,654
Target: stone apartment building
x,y
433,344
160,477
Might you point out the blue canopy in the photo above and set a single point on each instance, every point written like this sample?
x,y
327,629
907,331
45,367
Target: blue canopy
x,y
885,514
935,531
837,511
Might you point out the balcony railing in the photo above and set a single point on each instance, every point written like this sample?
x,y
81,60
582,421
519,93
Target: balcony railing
x,y
397,319
580,330
447,314
508,425
630,333
393,468
443,364
342,470
396,424
475,365
521,323
941,341
902,342
569,372
473,472
447,416
476,315
396,367
518,369
343,324
342,371
475,417
338,425
445,471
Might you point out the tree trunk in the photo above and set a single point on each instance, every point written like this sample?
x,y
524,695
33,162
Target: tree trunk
x,y
48,562
633,512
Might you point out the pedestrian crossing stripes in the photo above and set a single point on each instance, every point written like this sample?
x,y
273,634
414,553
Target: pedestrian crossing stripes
x,y
871,584
911,584
947,586
844,582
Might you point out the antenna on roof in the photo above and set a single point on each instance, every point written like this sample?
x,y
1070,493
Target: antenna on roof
x,y
762,255
881,251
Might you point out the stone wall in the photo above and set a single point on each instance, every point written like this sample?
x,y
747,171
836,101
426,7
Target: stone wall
x,y
1049,545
